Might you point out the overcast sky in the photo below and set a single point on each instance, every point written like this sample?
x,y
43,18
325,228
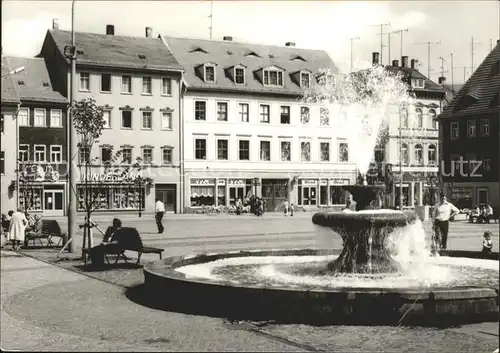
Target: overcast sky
x,y
324,25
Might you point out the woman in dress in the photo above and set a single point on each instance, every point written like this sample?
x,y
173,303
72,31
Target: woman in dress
x,y
17,228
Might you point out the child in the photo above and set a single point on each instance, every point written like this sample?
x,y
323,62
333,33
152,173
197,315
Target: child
x,y
487,243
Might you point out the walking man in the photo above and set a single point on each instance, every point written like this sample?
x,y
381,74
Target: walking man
x,y
442,214
159,212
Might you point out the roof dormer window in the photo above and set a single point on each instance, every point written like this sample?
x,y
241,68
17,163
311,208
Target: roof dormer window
x,y
417,82
273,77
239,75
305,80
209,72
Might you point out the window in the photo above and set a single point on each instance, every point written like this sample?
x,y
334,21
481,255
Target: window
x,y
343,152
239,75
39,117
305,80
2,124
324,151
403,111
209,73
418,154
126,119
432,154
285,114
265,150
147,120
126,84
106,154
55,118
105,82
324,117
405,158
166,156
244,150
2,162
420,117
147,155
379,154
454,130
222,146
200,110
84,81
146,85
106,116
264,113
418,83
166,86
432,119
39,153
200,148
24,153
244,112
56,154
166,121
221,111
23,117
305,151
273,78
304,115
286,151
471,128
127,155
83,155
484,125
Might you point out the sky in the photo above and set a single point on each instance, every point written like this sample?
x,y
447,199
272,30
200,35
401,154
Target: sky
x,y
326,25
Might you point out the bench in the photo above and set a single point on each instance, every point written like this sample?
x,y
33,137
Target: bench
x,y
127,239
46,229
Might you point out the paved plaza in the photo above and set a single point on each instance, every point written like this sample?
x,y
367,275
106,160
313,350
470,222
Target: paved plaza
x,y
58,306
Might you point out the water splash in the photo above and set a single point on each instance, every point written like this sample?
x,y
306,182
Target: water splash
x,y
360,106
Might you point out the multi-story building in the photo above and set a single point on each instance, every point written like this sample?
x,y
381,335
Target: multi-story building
x,y
8,125
247,132
136,80
41,139
411,144
469,137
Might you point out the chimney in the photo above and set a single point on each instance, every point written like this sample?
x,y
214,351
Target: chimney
x,y
290,44
442,80
404,61
413,63
149,32
55,23
110,30
375,58
395,63
228,38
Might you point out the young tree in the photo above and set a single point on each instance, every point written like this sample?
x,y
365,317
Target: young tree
x,y
88,122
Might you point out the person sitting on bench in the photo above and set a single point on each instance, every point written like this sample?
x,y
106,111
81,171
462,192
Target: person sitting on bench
x,y
109,244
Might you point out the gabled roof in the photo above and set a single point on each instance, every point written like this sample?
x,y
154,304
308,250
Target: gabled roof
x,y
429,85
218,51
33,84
478,94
117,51
9,94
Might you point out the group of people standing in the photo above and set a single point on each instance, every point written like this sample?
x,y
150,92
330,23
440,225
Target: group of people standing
x,y
15,225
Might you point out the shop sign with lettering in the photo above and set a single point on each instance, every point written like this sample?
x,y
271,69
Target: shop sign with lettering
x,y
237,182
202,181
221,181
111,177
309,182
323,182
37,173
339,181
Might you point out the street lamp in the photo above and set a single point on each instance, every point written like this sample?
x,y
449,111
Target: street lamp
x,y
13,72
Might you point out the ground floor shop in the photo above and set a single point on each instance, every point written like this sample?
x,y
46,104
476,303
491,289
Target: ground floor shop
x,y
418,189
217,191
46,199
468,195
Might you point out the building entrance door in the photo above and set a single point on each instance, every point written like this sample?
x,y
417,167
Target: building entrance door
x,y
274,193
167,195
309,197
53,202
235,193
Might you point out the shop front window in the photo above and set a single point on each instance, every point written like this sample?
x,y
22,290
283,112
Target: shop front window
x,y
337,195
323,195
221,195
109,197
202,195
30,198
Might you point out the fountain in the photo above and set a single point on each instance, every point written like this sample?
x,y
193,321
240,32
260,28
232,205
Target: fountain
x,y
383,273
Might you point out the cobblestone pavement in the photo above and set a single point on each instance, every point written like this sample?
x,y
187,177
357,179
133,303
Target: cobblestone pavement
x,y
49,308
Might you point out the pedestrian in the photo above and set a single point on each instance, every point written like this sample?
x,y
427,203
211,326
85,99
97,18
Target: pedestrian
x,y
442,214
17,228
286,206
159,212
487,243
291,209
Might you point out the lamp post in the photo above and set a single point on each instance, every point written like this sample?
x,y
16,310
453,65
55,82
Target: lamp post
x,y
139,181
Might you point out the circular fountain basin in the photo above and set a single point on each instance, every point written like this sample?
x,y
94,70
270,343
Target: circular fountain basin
x,y
364,219
286,285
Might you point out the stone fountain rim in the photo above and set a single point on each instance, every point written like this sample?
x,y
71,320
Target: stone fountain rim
x,y
170,264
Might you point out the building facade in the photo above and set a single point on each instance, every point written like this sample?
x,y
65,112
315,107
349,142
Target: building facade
x,y
8,140
470,135
42,143
137,82
247,132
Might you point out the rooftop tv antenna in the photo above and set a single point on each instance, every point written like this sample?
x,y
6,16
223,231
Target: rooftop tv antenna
x,y
429,56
